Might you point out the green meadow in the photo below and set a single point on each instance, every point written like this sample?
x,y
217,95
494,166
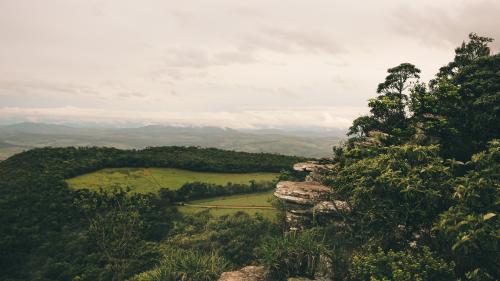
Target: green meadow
x,y
143,180
250,203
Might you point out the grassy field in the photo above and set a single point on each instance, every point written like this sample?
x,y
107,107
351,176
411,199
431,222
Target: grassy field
x,y
145,180
249,203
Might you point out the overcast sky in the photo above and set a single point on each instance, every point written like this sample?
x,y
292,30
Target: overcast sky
x,y
240,64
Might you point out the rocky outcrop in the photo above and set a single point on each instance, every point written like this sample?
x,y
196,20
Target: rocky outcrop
x,y
248,273
315,169
303,193
304,203
309,200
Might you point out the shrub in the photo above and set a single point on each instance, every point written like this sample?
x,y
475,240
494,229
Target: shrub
x,y
185,265
294,254
400,266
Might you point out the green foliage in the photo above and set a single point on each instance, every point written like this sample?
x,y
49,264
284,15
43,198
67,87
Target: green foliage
x,y
235,237
388,110
295,254
198,190
49,232
400,266
468,52
292,175
115,235
396,194
185,265
472,224
407,196
461,109
463,113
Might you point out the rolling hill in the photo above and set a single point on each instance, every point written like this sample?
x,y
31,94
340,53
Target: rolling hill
x,y
22,136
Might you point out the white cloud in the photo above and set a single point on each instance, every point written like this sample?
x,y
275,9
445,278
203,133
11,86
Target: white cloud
x,y
222,62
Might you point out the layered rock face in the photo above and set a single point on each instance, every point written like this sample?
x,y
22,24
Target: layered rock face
x,y
309,200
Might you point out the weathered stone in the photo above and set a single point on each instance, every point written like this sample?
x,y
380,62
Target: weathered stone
x,y
303,193
248,273
310,201
331,206
315,169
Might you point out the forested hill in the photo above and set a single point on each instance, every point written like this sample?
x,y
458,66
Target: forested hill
x,y
44,224
71,161
308,143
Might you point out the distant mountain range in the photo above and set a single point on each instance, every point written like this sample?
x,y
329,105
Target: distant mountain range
x,y
301,142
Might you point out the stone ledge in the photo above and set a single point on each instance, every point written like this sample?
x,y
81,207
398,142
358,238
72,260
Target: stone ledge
x,y
304,193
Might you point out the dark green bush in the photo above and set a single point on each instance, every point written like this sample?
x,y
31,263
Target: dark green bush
x,y
295,254
400,266
185,265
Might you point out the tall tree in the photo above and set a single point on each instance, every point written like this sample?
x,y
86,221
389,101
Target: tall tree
x,y
465,54
389,110
461,109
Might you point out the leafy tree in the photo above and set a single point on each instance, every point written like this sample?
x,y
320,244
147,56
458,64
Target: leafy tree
x,y
395,195
476,47
472,225
116,235
361,126
389,109
461,110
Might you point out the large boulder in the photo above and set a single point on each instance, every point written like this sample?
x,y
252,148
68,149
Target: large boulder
x,y
248,273
302,193
308,202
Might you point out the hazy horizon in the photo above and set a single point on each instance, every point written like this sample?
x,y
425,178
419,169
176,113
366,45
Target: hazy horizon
x,y
242,65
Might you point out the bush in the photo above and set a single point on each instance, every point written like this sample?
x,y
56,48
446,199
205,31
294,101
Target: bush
x,y
296,254
185,265
400,266
470,227
235,236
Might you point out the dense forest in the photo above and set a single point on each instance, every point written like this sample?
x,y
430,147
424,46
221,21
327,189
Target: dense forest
x,y
420,173
49,231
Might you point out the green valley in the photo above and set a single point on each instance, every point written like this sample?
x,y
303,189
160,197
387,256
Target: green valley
x,y
225,205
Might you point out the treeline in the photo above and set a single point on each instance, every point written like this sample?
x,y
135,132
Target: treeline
x,y
72,161
200,190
